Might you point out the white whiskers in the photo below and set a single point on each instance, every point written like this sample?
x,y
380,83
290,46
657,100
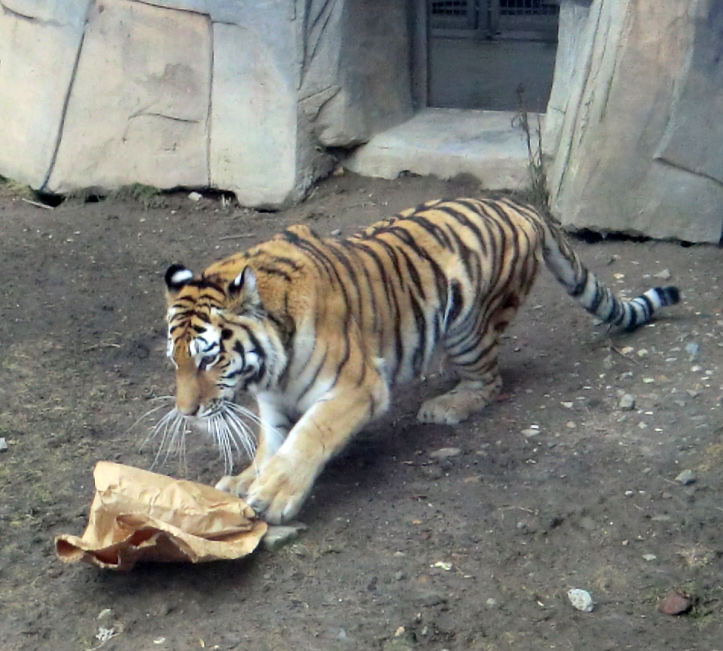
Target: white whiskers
x,y
227,424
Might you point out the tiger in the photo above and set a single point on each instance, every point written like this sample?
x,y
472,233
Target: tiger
x,y
319,330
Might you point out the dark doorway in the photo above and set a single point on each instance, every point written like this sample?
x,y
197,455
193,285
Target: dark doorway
x,y
482,51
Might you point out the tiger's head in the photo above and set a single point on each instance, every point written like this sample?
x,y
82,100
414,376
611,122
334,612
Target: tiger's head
x,y
220,339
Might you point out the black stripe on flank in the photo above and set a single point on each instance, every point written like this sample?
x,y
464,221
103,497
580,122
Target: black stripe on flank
x,y
421,323
414,274
313,379
457,302
406,237
433,229
370,288
465,221
465,254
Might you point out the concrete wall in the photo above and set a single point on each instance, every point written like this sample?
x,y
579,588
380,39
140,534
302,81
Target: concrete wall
x,y
249,97
634,127
231,94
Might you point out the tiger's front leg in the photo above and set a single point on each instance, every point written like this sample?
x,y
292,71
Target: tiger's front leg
x,y
275,426
288,476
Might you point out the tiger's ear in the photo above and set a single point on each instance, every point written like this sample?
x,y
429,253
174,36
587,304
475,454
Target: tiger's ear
x,y
243,290
177,277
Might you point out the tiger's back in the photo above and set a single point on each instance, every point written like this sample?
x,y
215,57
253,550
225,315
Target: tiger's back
x,y
319,329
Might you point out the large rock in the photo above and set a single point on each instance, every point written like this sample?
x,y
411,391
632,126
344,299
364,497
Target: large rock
x,y
638,147
39,46
356,69
253,130
138,107
241,96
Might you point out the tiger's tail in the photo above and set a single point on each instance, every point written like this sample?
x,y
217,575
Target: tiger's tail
x,y
596,297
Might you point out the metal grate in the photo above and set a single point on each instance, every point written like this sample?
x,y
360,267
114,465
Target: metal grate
x,y
529,8
450,8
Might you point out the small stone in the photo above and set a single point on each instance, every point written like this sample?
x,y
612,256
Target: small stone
x,y
676,603
663,275
3,445
571,424
568,405
336,232
445,453
491,602
693,393
581,600
400,576
650,557
627,402
627,350
686,477
443,565
530,432
278,536
643,352
195,196
693,350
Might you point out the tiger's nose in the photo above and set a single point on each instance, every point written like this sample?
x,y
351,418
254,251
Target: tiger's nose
x,y
189,410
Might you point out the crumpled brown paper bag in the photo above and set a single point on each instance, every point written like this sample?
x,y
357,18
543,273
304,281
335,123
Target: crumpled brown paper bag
x,y
138,515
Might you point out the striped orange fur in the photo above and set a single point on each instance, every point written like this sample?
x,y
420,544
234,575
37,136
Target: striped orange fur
x,y
319,330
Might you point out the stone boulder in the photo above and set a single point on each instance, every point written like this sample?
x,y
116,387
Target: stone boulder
x,y
635,133
240,96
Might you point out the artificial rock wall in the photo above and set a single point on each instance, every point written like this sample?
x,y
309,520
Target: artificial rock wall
x,y
634,127
230,94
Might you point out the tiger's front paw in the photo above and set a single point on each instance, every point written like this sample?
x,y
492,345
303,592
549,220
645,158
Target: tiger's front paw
x,y
280,490
238,484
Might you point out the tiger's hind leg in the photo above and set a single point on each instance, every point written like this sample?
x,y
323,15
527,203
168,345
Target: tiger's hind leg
x,y
474,355
473,392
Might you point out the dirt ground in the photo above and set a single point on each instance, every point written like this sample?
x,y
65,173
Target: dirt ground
x,y
556,486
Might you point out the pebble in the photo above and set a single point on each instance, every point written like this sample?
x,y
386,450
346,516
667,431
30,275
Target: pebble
x,y
650,557
627,402
686,477
693,350
195,196
3,445
530,432
581,600
278,536
445,453
676,603
663,275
